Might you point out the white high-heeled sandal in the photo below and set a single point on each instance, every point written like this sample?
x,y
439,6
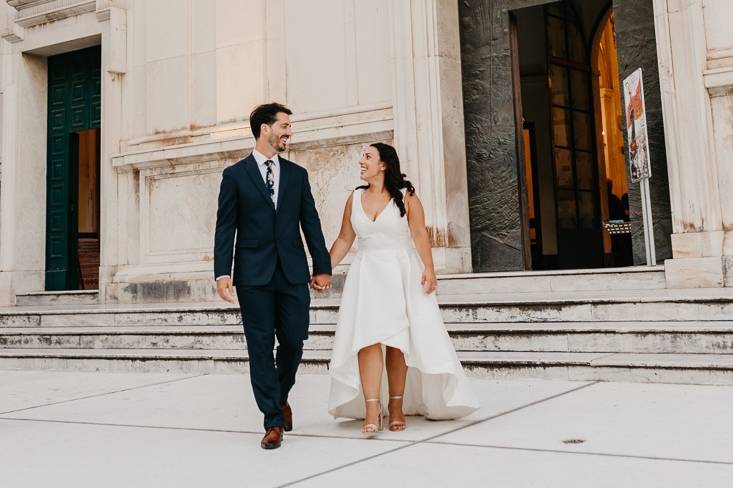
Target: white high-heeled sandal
x,y
370,430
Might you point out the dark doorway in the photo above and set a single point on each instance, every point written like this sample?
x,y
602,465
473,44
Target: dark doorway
x,y
73,188
501,225
567,123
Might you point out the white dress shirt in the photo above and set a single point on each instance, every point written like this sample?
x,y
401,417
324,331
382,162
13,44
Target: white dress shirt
x,y
261,158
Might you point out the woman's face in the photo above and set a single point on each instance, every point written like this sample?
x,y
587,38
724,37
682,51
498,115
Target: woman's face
x,y
370,166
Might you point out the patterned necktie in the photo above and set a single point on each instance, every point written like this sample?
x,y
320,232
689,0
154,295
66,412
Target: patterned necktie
x,y
270,179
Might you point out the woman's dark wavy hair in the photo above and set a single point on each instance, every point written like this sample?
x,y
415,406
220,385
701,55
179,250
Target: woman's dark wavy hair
x,y
394,179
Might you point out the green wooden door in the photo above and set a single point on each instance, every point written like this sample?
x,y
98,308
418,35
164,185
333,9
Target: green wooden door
x,y
74,101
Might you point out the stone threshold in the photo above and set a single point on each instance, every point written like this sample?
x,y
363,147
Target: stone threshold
x,y
58,293
562,272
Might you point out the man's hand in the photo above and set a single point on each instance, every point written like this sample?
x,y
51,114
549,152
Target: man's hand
x,y
321,282
225,289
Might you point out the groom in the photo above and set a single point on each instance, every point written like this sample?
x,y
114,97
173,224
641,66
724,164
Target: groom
x,y
266,200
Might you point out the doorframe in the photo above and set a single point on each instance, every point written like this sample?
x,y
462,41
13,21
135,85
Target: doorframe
x,y
519,143
598,121
85,66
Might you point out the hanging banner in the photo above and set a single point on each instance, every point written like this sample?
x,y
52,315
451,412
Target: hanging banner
x,y
637,138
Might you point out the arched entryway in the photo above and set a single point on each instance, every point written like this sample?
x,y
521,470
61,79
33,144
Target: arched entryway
x,y
570,139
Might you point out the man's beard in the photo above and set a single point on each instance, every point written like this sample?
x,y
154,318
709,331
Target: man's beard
x,y
278,145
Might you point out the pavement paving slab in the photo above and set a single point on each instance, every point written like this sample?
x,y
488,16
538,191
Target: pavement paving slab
x,y
40,454
26,389
225,402
149,430
690,422
437,466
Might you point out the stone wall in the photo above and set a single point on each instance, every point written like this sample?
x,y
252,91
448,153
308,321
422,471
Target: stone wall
x,y
634,23
186,103
179,79
493,185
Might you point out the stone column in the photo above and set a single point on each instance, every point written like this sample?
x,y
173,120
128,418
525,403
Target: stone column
x,y
23,184
114,67
428,122
695,55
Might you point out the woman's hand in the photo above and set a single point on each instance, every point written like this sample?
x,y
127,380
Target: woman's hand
x,y
429,281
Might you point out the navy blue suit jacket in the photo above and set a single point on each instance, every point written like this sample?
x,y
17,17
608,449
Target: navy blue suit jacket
x,y
265,234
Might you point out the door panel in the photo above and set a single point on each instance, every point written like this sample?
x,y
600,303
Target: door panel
x,y
74,96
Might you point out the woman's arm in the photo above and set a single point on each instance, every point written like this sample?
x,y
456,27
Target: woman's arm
x,y
416,220
346,236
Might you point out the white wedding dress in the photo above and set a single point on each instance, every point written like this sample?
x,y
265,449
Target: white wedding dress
x,y
383,302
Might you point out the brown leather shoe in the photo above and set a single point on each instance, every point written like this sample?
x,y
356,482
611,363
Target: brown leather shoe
x,y
273,438
288,416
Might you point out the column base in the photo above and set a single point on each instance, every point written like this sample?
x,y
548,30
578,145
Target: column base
x,y
451,260
7,294
167,283
708,272
15,282
701,260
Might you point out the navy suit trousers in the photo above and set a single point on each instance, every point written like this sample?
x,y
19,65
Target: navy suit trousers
x,y
278,309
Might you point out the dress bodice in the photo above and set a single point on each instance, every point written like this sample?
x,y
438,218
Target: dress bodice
x,y
389,230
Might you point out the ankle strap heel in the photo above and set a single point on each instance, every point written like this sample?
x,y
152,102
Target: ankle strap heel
x,y
396,424
370,430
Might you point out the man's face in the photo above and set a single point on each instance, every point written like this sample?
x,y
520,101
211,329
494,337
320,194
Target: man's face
x,y
278,134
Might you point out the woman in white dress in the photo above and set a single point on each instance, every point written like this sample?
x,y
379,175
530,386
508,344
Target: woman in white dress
x,y
389,309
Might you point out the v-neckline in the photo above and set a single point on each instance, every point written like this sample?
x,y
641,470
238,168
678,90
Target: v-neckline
x,y
361,205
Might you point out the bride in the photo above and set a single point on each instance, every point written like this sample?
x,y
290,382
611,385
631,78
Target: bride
x,y
389,314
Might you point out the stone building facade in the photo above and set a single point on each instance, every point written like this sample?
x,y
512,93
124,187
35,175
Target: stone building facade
x,y
118,117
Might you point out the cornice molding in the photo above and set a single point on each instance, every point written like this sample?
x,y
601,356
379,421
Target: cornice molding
x,y
37,12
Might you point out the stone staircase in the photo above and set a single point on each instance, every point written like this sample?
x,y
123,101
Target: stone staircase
x,y
609,325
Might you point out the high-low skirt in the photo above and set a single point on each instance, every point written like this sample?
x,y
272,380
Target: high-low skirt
x,y
384,303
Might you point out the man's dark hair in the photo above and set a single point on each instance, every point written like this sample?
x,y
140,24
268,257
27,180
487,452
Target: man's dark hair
x,y
265,114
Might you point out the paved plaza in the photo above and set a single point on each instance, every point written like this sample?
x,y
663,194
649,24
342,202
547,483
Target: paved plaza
x,y
68,429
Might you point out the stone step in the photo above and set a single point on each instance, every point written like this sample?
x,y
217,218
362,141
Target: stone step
x,y
714,369
579,306
76,297
125,337
606,279
609,279
666,368
667,337
636,278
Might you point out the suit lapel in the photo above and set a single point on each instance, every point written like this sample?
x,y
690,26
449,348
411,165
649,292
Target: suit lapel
x,y
254,173
284,175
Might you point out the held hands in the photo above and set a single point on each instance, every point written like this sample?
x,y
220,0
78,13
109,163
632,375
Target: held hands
x,y
225,289
321,282
429,281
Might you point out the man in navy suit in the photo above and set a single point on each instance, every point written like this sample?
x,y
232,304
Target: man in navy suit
x,y
264,202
